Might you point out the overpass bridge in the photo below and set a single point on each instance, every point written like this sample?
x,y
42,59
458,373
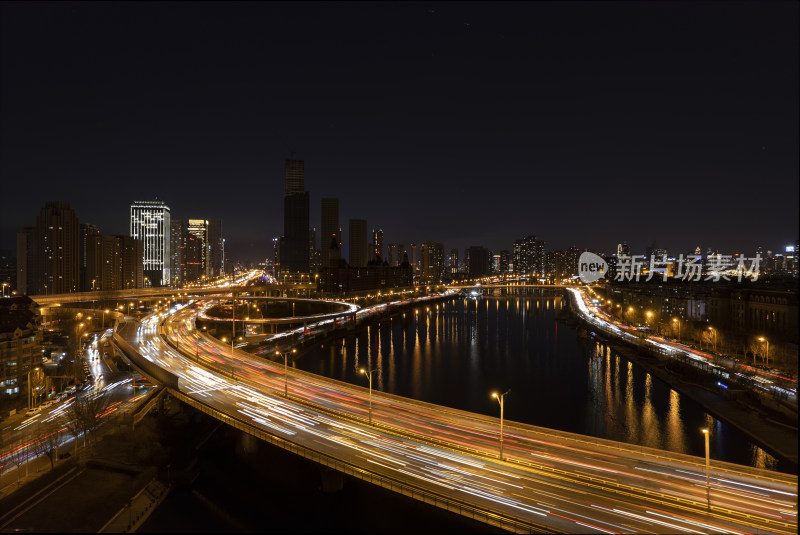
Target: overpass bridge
x,y
544,481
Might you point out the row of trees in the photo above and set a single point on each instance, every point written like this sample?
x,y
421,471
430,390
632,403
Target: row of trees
x,y
83,417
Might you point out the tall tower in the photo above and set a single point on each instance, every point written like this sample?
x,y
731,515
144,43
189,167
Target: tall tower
x,y
377,244
329,227
294,248
57,250
151,223
358,243
87,232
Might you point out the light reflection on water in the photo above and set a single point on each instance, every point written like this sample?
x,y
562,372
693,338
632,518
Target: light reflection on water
x,y
458,352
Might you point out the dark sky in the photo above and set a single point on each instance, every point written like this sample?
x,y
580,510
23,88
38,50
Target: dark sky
x,y
468,124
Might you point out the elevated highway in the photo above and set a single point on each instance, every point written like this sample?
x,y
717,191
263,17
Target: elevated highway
x,y
546,481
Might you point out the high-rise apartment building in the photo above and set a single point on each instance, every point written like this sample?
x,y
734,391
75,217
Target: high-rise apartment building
x,y
294,244
432,262
329,228
528,256
151,223
176,247
57,250
393,255
87,232
479,263
358,243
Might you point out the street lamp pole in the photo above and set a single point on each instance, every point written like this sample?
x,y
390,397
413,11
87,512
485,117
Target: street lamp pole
x,y
677,322
499,398
285,371
708,462
369,377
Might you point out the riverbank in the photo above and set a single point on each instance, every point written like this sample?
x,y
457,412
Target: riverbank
x,y
767,428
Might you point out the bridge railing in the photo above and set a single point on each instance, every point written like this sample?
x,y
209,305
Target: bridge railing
x,y
448,503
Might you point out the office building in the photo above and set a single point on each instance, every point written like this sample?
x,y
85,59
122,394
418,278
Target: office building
x,y
151,223
199,229
294,244
294,177
358,243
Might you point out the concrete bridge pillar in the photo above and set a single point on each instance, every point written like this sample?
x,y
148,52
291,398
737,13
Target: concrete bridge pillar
x,y
332,480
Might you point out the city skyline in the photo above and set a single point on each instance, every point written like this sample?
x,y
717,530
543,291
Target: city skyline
x,y
485,122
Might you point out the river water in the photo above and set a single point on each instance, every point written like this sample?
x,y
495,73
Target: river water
x,y
458,352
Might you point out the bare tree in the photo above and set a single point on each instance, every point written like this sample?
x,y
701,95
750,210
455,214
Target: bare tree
x,y
49,435
85,412
17,456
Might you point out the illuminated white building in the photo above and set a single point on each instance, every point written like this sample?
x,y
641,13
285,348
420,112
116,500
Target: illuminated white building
x,y
150,222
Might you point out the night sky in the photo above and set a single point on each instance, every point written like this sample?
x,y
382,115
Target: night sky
x,y
468,124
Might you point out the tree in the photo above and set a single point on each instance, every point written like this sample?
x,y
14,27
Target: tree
x,y
18,455
49,433
85,413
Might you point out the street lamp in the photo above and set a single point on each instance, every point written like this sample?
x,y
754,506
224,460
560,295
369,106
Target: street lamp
x,y
499,398
285,370
104,318
677,322
708,462
762,339
369,377
713,330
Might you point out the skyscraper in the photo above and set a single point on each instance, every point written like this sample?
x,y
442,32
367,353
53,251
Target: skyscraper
x,y
199,229
329,227
150,222
358,243
479,263
294,177
294,244
57,250
215,247
176,248
377,243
